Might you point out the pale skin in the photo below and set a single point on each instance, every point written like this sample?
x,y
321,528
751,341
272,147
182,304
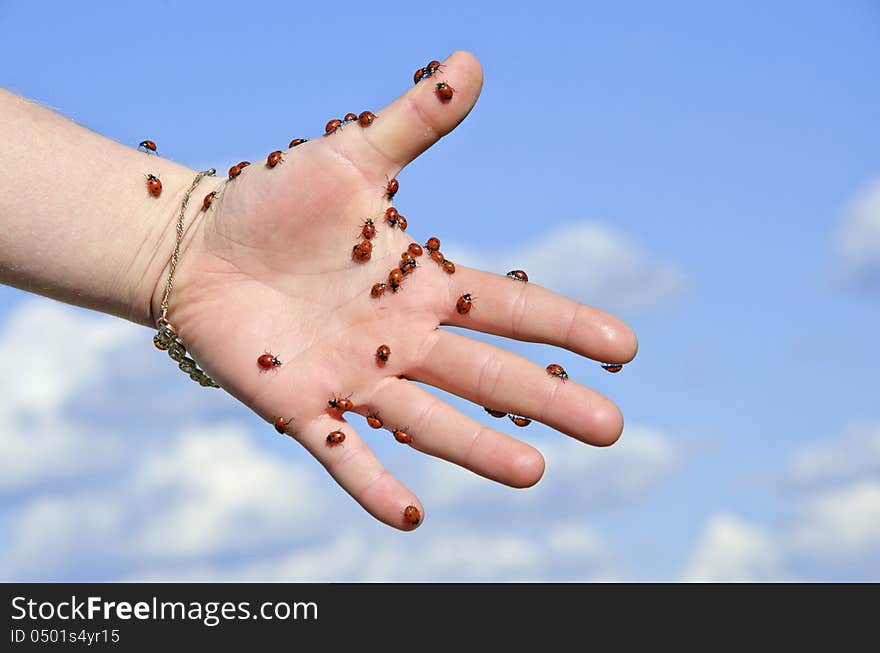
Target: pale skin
x,y
269,268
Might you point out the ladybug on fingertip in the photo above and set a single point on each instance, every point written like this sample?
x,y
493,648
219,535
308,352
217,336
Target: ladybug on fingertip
x,y
368,231
614,368
412,515
432,244
519,275
402,436
557,370
464,303
281,424
154,186
268,362
273,159
377,289
448,266
209,198
335,438
391,216
243,164
332,126
444,91
341,404
519,420
234,172
297,141
349,117
149,146
374,421
362,252
391,188
495,413
437,256
383,353
395,278
415,249
401,223
366,118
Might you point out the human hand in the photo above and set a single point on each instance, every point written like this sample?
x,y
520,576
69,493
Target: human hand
x,y
269,268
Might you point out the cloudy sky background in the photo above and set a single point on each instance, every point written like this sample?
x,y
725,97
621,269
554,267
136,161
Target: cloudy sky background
x,y
711,174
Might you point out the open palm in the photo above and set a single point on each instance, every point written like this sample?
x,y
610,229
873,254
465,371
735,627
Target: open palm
x,y
269,268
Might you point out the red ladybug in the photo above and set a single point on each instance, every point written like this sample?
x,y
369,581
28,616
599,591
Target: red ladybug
x,y
281,424
391,215
412,515
374,421
463,305
418,75
383,353
437,256
408,266
366,118
395,278
556,370
341,404
431,68
495,413
274,159
614,368
335,437
149,146
298,141
444,91
407,258
391,188
433,244
234,171
377,289
368,231
402,436
519,275
415,249
401,223
243,164
268,362
519,420
206,203
154,186
332,126
448,267
361,253
349,117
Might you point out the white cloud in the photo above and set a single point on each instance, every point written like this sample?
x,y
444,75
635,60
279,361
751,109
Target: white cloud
x,y
853,454
840,524
858,239
734,550
588,261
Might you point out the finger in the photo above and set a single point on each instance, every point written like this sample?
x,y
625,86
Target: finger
x,y
418,118
525,311
438,429
358,471
498,379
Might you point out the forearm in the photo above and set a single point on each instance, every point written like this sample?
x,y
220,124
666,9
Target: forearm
x,y
76,220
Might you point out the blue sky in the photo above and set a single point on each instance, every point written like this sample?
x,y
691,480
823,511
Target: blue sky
x,y
709,172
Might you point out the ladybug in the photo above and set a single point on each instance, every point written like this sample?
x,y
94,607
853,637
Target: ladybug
x,y
408,266
431,68
437,256
234,171
407,258
332,126
267,362
243,164
341,404
391,188
281,424
361,253
495,413
519,275
614,368
519,420
149,146
374,421
298,141
154,186
206,203
412,515
335,437
415,249
366,118
402,436
556,370
349,117
463,305
391,215
402,223
377,289
433,244
418,75
274,159
444,91
448,267
395,278
383,353
368,231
